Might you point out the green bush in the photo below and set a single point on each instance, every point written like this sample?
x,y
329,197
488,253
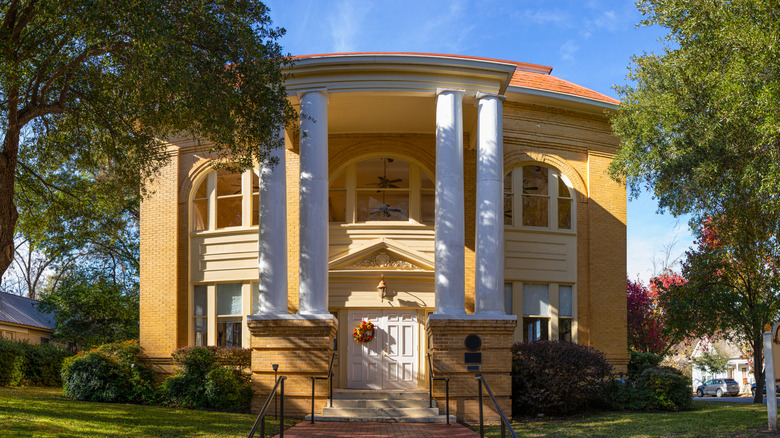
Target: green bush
x,y
110,368
655,389
11,363
666,389
642,361
210,377
557,377
95,376
228,390
43,364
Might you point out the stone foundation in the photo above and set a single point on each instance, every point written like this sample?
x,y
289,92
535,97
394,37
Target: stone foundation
x,y
446,344
302,347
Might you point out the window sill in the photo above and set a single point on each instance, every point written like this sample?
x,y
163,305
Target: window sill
x,y
540,230
378,224
224,231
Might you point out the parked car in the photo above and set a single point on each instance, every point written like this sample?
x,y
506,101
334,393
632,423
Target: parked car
x,y
753,389
718,387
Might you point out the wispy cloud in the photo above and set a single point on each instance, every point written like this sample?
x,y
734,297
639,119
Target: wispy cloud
x,y
544,17
567,50
345,24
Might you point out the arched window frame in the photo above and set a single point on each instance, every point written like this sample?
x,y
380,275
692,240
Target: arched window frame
x,y
514,179
249,201
416,192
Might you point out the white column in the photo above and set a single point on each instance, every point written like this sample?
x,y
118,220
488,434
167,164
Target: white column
x,y
449,227
313,292
489,292
272,244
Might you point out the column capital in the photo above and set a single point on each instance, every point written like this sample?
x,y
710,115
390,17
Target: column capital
x,y
481,94
322,90
450,90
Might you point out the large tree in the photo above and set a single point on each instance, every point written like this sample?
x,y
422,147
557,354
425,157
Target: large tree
x,y
700,128
90,89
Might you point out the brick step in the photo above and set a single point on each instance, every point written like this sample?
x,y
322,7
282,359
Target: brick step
x,y
388,419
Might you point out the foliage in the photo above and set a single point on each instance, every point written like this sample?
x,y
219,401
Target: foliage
x,y
731,286
710,361
210,377
557,377
639,362
645,320
228,390
110,373
95,376
654,388
11,363
91,89
91,308
30,364
34,412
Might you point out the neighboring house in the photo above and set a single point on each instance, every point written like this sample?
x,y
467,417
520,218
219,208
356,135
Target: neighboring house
x,y
737,367
21,320
436,196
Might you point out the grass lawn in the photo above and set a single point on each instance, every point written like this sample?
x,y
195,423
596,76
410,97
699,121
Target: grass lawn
x,y
707,419
45,412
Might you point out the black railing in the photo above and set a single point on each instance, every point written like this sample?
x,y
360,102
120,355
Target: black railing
x,y
431,379
504,422
261,416
329,377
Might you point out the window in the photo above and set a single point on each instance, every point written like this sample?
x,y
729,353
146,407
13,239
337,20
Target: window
x,y
545,201
218,314
544,311
226,200
536,312
565,314
381,190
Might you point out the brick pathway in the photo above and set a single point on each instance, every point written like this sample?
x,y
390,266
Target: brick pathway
x,y
335,429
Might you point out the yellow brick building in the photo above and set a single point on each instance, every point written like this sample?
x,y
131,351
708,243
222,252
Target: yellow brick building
x,y
391,176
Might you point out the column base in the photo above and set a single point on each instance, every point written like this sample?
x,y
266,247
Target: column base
x,y
446,345
302,347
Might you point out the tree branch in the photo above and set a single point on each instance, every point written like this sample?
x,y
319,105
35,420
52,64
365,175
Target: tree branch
x,y
46,183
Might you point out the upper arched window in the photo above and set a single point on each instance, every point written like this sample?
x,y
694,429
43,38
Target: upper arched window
x,y
381,189
224,199
537,196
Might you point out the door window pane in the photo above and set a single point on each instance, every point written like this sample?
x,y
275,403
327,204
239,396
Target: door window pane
x,y
535,211
535,329
508,199
535,180
508,298
536,299
229,332
229,299
564,329
383,205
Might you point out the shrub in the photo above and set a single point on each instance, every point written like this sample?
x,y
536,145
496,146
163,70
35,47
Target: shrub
x,y
640,362
118,365
557,377
43,364
228,389
11,363
210,377
95,376
666,389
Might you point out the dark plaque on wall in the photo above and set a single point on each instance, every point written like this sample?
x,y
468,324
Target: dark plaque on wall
x,y
473,342
470,358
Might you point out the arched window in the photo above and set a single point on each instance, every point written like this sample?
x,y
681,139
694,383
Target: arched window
x,y
381,190
536,196
225,199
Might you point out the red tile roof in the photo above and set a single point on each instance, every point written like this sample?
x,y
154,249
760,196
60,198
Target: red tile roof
x,y
526,75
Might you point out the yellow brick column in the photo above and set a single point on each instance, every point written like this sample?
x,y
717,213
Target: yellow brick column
x,y
446,344
302,347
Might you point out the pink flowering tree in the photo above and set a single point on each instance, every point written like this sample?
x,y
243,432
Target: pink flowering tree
x,y
645,320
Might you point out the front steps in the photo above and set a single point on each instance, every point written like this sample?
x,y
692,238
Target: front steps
x,y
390,406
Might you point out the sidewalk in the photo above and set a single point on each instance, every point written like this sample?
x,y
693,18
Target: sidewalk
x,y
334,429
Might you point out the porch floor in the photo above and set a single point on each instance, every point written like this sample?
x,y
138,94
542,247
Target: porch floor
x,y
332,429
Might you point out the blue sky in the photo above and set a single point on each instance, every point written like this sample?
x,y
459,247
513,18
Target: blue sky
x,y
586,42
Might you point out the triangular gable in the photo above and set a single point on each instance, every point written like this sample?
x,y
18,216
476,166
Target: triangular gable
x,y
382,254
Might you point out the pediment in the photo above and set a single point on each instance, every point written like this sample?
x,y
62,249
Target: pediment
x,y
383,254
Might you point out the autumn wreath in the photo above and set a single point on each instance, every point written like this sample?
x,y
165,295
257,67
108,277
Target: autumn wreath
x,y
364,332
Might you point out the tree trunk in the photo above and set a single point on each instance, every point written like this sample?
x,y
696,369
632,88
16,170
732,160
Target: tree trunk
x,y
758,371
8,156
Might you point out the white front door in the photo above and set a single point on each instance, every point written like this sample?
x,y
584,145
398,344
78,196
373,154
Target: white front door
x,y
389,361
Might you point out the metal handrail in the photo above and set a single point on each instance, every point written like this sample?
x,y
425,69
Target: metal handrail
x,y
261,416
329,377
504,422
446,380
